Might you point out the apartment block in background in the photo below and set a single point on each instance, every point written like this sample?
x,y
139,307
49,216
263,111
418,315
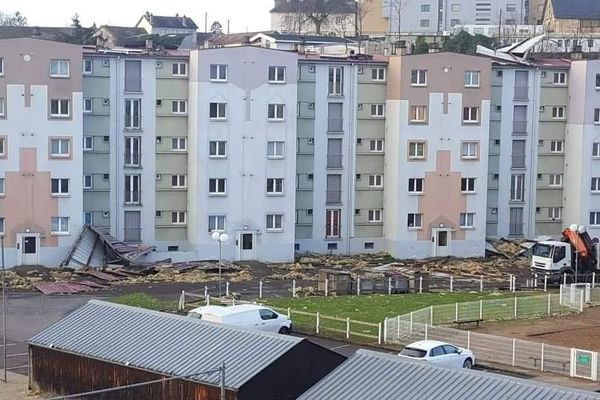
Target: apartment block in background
x,y
514,132
582,148
41,167
242,147
438,108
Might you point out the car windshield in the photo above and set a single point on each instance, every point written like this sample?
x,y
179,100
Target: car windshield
x,y
412,352
194,315
542,250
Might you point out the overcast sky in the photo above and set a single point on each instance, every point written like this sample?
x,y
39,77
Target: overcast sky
x,y
244,15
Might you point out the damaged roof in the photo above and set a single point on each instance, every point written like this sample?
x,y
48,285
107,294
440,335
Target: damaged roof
x,y
176,22
57,34
96,247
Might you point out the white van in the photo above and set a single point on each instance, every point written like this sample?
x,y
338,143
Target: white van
x,y
249,316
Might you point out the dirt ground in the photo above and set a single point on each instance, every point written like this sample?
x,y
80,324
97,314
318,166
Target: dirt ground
x,y
16,388
581,331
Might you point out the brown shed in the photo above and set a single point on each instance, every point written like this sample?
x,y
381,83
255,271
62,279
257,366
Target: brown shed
x,y
104,345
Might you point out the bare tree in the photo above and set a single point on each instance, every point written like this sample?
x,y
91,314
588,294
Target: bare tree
x,y
305,14
352,24
12,19
396,9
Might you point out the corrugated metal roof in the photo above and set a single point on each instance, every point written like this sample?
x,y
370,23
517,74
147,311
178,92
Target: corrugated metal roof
x,y
375,376
579,9
165,343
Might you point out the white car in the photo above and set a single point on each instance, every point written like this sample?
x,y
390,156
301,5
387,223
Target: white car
x,y
248,316
440,353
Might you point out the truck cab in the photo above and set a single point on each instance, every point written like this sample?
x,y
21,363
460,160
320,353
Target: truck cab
x,y
551,258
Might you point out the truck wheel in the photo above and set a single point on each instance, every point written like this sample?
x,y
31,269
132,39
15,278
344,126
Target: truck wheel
x,y
284,330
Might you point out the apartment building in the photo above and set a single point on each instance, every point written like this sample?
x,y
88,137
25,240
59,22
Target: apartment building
x,y
242,146
438,112
435,16
40,136
340,155
582,147
514,132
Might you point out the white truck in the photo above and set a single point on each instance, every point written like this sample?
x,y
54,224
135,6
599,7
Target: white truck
x,y
248,316
575,254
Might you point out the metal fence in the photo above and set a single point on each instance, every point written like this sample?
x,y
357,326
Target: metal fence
x,y
428,324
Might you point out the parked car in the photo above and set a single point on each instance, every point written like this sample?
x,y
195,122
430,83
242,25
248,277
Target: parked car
x,y
249,316
439,353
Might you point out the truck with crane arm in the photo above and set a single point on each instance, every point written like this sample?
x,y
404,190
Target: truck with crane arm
x,y
575,254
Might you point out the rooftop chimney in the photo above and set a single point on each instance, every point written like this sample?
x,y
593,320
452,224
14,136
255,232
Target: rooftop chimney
x,y
434,48
402,47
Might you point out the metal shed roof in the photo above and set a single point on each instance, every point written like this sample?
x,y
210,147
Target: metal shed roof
x,y
165,343
368,375
578,9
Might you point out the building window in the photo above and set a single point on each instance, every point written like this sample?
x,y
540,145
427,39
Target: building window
x,y
133,115
132,189
556,180
558,112
554,213
275,149
595,218
455,7
217,186
274,222
59,186
517,187
378,74
556,146
88,218
560,78
416,150
467,220
470,115
59,108
179,69
60,225
2,107
88,105
1,66
418,77
596,149
369,245
595,185
597,81
276,74
276,112
179,107
425,8
59,68
377,110
133,149
88,143
133,76
469,150
217,149
275,186
454,22
88,181
178,217
336,81
178,181
60,148
376,180
415,220
472,78
375,216
216,223
218,110
3,149
218,72
467,185
179,144
424,23
596,115
415,185
376,145
332,223
2,187
418,114
88,66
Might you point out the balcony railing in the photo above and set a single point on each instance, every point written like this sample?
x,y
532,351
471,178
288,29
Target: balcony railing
x,y
132,197
521,92
333,196
335,125
133,85
334,161
520,127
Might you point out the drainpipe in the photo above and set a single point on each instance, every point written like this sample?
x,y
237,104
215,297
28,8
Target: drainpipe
x,y
351,156
115,145
531,228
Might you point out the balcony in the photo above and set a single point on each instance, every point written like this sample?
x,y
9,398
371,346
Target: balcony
x,y
333,197
334,161
335,125
520,127
518,161
521,92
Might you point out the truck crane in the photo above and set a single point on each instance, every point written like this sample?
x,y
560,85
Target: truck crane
x,y
573,255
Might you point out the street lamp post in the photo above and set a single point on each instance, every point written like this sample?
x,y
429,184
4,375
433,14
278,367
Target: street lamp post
x,y
220,237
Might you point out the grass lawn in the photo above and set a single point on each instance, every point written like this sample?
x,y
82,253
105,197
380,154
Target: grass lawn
x,y
374,308
145,301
